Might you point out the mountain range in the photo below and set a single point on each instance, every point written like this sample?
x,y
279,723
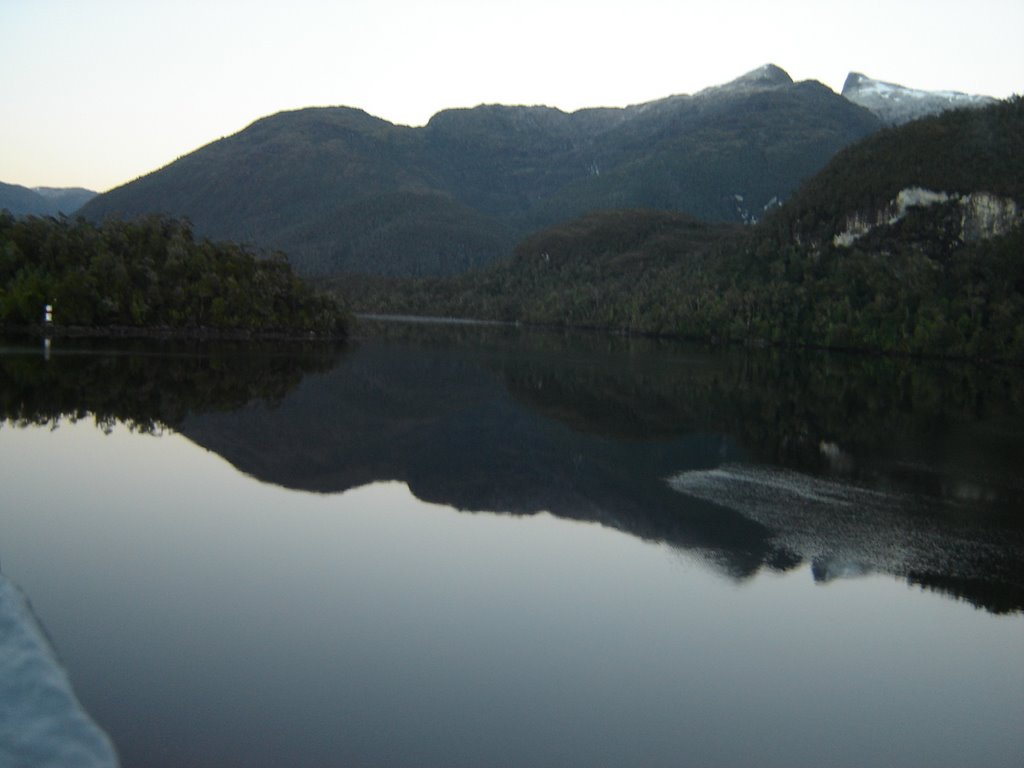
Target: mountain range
x,y
339,190
42,201
908,241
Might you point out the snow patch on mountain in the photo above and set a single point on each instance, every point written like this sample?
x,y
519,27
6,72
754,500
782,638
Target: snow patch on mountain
x,y
896,104
766,77
747,216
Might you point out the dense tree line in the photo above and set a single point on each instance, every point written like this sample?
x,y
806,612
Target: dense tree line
x,y
895,292
149,273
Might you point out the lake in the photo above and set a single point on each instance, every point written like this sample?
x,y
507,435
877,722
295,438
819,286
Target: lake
x,y
486,546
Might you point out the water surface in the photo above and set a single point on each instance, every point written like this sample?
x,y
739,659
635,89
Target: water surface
x,y
479,546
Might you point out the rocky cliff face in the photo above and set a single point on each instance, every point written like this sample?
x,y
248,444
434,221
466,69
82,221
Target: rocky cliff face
x,y
982,215
985,216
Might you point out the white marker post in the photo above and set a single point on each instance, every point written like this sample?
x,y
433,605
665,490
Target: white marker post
x,y
47,322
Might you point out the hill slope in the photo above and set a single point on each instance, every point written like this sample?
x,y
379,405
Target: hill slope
x,y
42,201
340,190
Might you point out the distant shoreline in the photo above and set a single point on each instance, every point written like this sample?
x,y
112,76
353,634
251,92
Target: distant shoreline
x,y
432,319
200,333
711,341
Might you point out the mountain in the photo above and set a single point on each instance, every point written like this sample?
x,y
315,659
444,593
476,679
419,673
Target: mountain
x,y
340,190
42,201
896,104
908,241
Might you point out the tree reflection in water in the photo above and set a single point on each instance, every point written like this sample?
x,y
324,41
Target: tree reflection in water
x,y
749,459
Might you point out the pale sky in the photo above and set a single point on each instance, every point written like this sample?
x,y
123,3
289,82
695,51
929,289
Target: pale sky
x,y
95,93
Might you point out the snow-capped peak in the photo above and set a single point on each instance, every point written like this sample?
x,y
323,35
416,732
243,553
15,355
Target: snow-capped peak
x,y
767,74
897,104
766,77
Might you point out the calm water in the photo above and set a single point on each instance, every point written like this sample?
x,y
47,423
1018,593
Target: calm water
x,y
478,546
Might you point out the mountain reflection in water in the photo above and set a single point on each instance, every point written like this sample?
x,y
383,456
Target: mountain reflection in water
x,y
747,460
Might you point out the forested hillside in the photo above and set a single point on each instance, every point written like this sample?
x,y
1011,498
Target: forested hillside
x,y
629,270
960,152
937,270
342,191
150,273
